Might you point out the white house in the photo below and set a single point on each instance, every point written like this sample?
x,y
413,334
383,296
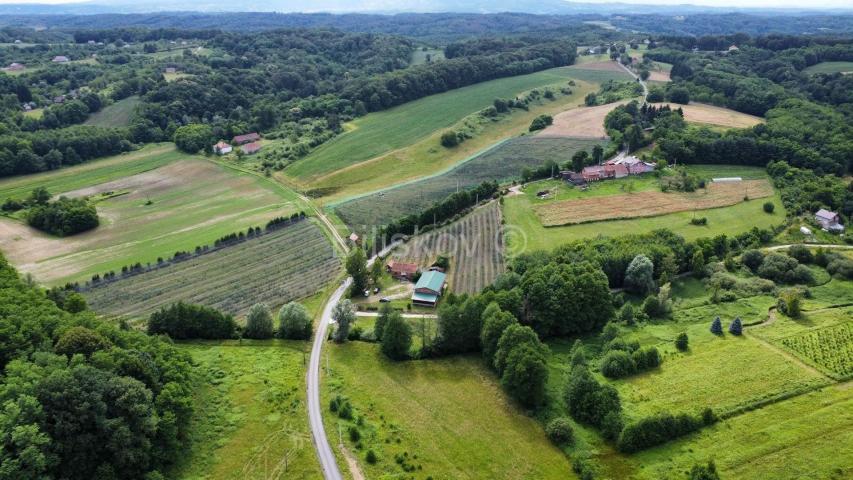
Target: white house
x,y
222,148
829,220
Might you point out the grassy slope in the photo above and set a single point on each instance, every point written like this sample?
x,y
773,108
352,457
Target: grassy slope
x,y
729,220
197,210
427,156
93,172
449,412
115,115
830,67
725,373
250,412
381,132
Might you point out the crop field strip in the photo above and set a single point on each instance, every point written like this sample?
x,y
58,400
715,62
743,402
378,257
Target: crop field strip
x,y
381,132
830,349
474,244
503,163
289,264
649,203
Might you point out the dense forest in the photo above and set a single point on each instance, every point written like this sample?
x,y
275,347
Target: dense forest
x,y
83,398
298,85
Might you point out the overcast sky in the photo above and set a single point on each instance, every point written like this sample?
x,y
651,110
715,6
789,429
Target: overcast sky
x,y
813,4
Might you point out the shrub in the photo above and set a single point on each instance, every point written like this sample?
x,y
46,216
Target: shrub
x,y
646,358
370,457
752,259
396,337
651,306
626,314
656,430
801,253
541,122
612,425
449,139
639,276
617,364
704,472
294,322
769,207
63,217
354,434
185,321
784,269
717,326
610,332
699,221
681,342
526,374
81,340
258,322
736,328
587,400
789,303
559,430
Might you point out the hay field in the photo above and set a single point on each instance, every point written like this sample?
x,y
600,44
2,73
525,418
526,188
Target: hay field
x,y
605,66
649,203
288,264
474,244
115,115
830,67
583,122
711,115
186,203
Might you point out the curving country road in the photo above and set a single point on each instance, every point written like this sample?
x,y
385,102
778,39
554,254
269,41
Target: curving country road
x,y
315,410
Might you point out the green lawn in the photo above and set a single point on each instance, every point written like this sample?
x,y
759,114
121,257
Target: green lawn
x,y
807,437
727,220
830,67
250,418
381,132
115,115
445,418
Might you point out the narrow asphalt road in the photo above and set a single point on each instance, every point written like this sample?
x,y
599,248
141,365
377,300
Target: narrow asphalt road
x,y
642,83
315,409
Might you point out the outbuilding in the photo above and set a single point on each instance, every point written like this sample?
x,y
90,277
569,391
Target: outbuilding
x,y
429,287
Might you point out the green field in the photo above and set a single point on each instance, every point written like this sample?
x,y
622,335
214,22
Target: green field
x,y
529,233
503,162
806,437
93,172
419,56
288,264
447,418
830,67
115,115
427,157
178,206
250,420
382,132
771,401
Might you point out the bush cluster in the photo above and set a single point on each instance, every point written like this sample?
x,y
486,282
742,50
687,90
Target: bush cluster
x,y
185,321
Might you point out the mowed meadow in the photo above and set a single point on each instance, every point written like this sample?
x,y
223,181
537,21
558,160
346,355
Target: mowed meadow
x,y
606,202
152,203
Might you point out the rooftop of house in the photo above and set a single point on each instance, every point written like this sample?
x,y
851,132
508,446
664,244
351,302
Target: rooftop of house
x,y
402,267
826,214
431,280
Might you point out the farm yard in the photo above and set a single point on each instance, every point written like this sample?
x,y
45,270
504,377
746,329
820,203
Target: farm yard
x,y
474,245
430,417
115,115
503,162
718,116
426,156
253,424
287,264
650,203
